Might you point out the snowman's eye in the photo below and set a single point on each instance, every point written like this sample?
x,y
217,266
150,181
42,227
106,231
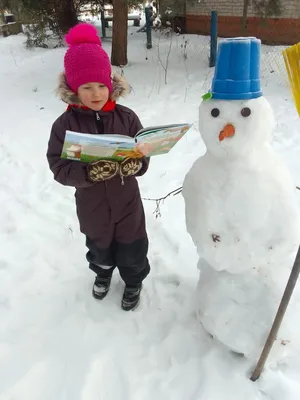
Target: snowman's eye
x,y
246,112
215,112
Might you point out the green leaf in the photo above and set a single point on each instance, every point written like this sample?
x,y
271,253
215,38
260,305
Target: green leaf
x,y
207,96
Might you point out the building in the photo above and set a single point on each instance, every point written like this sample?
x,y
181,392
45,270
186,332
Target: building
x,y
284,28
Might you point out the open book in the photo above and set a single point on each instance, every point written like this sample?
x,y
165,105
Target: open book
x,y
148,142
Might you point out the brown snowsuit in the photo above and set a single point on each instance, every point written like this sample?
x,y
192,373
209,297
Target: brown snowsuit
x,y
110,214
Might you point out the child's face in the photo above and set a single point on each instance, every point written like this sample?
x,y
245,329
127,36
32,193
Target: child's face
x,y
93,95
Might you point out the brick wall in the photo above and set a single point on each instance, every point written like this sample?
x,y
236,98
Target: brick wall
x,y
291,8
283,30
224,7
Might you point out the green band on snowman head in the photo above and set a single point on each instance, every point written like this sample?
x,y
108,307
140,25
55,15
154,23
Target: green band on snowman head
x,y
207,96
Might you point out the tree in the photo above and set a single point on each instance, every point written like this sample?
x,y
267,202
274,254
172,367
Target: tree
x,y
245,15
66,15
119,35
268,8
60,15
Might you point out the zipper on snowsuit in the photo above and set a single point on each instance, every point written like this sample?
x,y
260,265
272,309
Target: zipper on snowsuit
x,y
100,130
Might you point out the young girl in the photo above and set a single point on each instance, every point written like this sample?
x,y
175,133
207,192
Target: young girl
x,y
108,200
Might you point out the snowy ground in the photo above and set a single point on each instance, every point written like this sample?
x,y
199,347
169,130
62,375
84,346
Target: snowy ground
x,y
56,341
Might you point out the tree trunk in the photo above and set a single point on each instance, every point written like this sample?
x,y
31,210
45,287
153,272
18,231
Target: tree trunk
x,y
119,35
67,17
245,15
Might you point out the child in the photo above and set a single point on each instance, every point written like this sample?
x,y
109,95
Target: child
x,y
108,201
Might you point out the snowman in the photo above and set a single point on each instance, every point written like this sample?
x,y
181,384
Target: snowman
x,y
240,205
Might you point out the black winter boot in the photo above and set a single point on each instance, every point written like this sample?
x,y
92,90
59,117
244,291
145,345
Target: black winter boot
x,y
101,287
131,297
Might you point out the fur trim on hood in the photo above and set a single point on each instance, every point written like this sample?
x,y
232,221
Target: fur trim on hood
x,y
120,89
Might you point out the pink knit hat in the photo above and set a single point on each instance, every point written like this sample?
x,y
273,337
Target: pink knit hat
x,y
85,60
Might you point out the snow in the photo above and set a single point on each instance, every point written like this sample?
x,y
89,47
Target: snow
x,y
56,341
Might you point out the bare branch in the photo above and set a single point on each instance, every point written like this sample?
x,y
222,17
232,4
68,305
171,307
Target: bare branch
x,y
174,192
168,57
166,64
162,199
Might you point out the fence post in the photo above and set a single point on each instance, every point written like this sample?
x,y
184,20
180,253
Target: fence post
x,y
103,23
213,38
148,27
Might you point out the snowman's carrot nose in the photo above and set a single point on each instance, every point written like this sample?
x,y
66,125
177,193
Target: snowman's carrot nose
x,y
227,132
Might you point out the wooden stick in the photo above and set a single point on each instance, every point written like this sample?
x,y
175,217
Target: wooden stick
x,y
279,317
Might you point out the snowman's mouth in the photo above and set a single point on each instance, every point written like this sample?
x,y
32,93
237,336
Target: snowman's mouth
x,y
227,132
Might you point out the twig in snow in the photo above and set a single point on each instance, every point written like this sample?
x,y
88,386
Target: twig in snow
x,y
174,192
71,230
186,72
165,67
13,56
205,79
168,58
161,200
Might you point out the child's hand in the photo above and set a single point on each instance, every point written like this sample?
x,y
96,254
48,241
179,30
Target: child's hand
x,y
144,148
130,166
102,170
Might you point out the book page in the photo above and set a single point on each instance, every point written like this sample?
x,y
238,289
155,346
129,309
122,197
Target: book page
x,y
161,140
151,129
92,147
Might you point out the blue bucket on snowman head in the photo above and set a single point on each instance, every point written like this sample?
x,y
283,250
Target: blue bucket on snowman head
x,y
237,71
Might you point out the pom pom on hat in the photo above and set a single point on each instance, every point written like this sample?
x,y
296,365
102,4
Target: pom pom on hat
x,y
83,33
86,60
